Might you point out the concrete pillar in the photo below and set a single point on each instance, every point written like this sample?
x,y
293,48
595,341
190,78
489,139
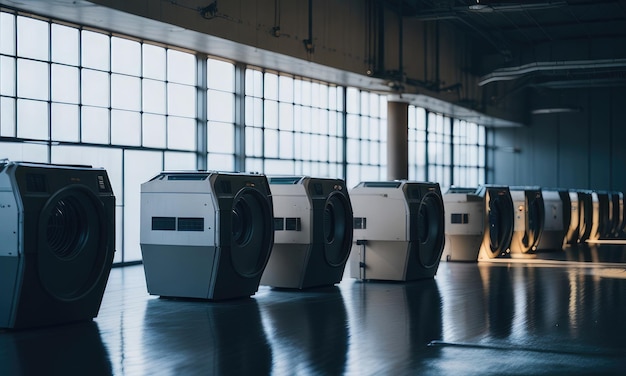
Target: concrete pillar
x,y
397,140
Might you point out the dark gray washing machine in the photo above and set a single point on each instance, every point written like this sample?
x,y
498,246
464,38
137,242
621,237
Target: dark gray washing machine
x,y
529,220
205,235
313,232
58,242
498,221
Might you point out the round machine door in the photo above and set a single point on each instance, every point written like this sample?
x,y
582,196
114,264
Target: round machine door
x,y
251,232
585,212
500,225
338,223
74,243
430,229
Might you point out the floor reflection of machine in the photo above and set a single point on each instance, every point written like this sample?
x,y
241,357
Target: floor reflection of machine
x,y
308,333
499,219
557,214
313,232
398,230
529,220
205,234
465,212
57,227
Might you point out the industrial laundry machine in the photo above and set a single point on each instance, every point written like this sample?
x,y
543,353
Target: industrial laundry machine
x,y
617,213
465,213
312,232
205,235
586,215
557,214
601,218
57,226
398,230
498,221
529,220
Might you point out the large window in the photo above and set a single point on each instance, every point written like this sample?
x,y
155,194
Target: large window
x,y
74,95
366,136
293,125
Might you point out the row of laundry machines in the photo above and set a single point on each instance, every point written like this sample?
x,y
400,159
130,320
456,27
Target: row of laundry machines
x,y
217,235
500,221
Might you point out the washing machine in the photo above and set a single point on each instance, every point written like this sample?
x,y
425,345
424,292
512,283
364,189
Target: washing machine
x,y
617,219
205,235
312,232
572,234
529,220
498,221
601,217
58,242
587,216
465,213
556,220
398,230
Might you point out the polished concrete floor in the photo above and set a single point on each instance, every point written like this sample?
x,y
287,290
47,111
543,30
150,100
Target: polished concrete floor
x,y
563,314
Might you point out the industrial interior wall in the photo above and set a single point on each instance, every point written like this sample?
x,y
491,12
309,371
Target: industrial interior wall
x,y
582,149
358,36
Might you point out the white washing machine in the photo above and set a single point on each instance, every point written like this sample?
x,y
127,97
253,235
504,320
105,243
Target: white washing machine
x,y
205,235
529,220
498,221
312,232
465,217
57,225
557,213
398,230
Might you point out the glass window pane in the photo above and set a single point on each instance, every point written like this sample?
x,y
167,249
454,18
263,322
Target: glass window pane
x,y
95,50
153,131
175,160
224,162
95,88
221,75
7,117
181,100
270,86
65,122
286,116
32,79
65,41
221,137
32,38
7,33
271,143
95,125
181,67
254,142
271,115
125,56
221,106
254,83
125,128
181,133
286,144
153,96
153,62
32,119
285,88
7,76
125,92
65,85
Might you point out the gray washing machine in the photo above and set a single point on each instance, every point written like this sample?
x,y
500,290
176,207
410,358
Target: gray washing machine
x,y
498,221
398,230
58,242
529,220
205,235
465,213
312,232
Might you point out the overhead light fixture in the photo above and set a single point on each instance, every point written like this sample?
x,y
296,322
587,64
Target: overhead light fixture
x,y
555,110
480,7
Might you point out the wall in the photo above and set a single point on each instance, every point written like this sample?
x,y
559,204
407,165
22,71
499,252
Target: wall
x,y
583,149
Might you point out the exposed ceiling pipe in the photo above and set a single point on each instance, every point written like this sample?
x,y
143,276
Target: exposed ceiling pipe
x,y
512,73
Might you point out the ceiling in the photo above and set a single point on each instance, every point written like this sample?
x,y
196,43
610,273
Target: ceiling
x,y
555,44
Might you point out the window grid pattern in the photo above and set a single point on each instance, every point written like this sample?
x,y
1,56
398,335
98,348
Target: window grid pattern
x,y
293,125
69,94
366,136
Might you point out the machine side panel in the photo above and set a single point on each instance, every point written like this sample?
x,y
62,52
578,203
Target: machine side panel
x,y
286,267
8,290
382,260
292,206
386,219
